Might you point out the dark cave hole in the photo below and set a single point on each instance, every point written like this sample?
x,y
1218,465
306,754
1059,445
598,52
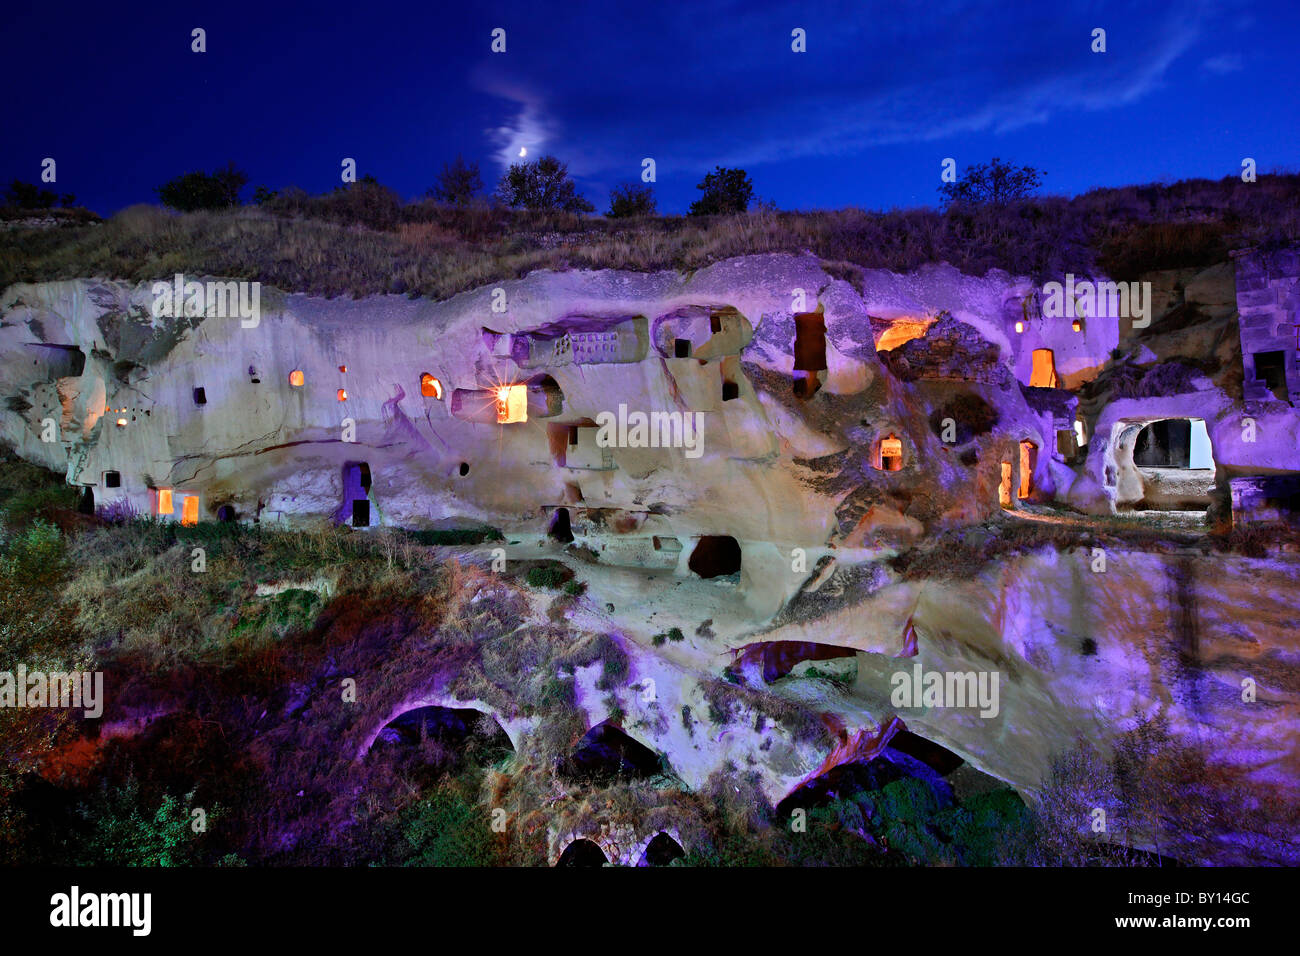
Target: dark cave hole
x,y
779,657
606,754
847,779
935,756
715,556
442,737
560,529
582,853
86,501
661,851
226,513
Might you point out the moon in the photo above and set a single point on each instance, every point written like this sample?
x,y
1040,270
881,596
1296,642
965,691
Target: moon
x,y
523,151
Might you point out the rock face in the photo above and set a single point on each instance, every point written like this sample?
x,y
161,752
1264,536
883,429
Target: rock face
x,y
728,446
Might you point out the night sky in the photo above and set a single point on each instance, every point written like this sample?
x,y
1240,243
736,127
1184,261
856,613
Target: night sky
x,y
883,94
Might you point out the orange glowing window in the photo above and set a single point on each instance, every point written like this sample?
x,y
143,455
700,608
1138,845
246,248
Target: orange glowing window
x,y
1004,489
165,506
512,404
343,394
1044,370
343,368
891,453
190,510
430,387
296,378
121,423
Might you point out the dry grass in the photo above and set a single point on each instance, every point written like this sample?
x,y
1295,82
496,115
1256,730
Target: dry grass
x,y
365,241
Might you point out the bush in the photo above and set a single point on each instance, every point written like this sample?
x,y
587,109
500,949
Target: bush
x,y
458,183
541,184
122,832
446,829
631,199
723,191
547,576
994,183
199,190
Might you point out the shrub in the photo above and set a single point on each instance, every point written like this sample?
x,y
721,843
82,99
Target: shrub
x,y
122,832
458,183
723,191
446,829
631,199
993,183
199,190
547,576
541,184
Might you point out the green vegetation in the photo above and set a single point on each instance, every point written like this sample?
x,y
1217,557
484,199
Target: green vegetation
x,y
673,634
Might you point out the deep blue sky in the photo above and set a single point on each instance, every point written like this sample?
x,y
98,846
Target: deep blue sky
x,y
865,117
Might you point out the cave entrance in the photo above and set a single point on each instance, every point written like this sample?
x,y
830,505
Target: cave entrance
x,y
86,501
661,851
560,529
935,756
1174,443
226,513
779,658
1028,460
844,781
190,510
443,737
582,853
1043,372
809,353
606,755
356,494
715,556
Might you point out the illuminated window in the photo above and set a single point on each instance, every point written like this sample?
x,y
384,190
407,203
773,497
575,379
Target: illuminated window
x,y
1044,370
1020,326
343,394
1077,325
512,404
296,378
121,423
165,501
1004,489
891,454
343,368
430,387
190,510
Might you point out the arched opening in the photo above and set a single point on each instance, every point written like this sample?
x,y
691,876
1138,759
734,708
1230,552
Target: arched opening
x,y
661,851
343,394
443,738
889,453
544,398
226,513
1004,486
296,378
1028,461
845,780
779,658
1174,464
430,387
582,853
1043,373
605,755
560,529
935,756
715,555
463,469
